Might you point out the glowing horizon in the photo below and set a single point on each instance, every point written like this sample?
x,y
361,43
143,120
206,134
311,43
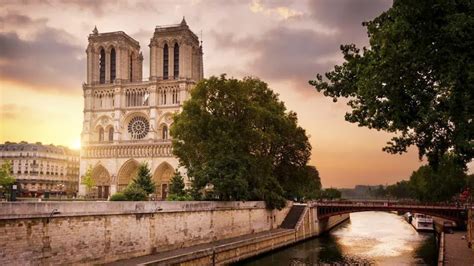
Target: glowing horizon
x,y
285,44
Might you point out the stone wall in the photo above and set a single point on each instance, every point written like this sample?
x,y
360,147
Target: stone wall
x,y
470,227
98,232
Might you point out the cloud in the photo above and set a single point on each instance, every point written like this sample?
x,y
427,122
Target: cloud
x,y
47,58
347,15
9,111
98,8
284,54
270,9
295,53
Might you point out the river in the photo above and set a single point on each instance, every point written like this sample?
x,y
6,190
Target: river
x,y
378,238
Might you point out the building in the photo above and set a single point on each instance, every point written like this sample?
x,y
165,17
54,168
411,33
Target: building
x,y
42,168
126,118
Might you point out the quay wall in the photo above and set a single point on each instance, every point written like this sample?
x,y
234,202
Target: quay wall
x,y
33,233
239,249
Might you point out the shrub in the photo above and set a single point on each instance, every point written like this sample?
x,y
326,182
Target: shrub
x,y
119,196
175,197
134,192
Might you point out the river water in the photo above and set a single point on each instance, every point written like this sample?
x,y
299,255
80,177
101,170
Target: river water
x,y
378,238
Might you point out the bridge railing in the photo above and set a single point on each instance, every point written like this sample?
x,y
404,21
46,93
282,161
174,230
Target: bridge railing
x,y
391,204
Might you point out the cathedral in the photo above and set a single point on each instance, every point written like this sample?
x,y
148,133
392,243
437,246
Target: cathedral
x,y
127,118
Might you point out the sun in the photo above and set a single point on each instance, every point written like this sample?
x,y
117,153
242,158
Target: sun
x,y
76,144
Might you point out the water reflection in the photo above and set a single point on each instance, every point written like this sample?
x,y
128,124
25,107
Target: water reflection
x,y
368,238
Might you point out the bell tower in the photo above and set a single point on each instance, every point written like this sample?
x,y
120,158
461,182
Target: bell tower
x,y
113,57
175,54
126,118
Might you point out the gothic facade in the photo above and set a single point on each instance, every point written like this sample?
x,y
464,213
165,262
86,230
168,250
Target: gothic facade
x,y
126,118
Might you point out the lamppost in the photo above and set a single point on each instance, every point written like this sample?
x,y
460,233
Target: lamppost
x,y
60,187
13,195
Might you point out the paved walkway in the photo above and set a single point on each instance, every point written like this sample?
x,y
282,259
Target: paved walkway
x,y
193,249
456,250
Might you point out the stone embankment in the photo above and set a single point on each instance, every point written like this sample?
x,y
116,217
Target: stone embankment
x,y
102,232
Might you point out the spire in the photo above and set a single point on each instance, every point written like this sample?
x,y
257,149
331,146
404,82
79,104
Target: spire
x,y
95,31
183,22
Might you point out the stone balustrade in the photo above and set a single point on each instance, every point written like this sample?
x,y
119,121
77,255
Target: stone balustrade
x,y
129,150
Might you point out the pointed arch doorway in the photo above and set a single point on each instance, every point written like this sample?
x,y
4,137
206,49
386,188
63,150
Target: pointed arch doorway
x,y
102,181
163,174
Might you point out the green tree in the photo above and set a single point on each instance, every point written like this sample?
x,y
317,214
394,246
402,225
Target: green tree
x,y
6,178
379,192
305,185
119,196
177,185
236,140
330,193
143,178
416,80
88,181
400,190
440,184
134,192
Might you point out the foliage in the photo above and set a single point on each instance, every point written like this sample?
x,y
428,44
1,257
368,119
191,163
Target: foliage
x,y
428,184
175,197
6,178
119,196
441,184
87,180
306,185
134,192
143,179
330,193
236,137
400,190
177,185
416,80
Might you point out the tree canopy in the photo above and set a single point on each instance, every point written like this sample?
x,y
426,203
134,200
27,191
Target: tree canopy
x,y
416,79
6,178
238,141
428,184
143,178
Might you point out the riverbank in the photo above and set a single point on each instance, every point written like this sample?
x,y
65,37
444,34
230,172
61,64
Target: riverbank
x,y
103,232
456,250
236,249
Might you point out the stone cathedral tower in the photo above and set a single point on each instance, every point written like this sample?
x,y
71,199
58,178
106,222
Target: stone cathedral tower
x,y
126,118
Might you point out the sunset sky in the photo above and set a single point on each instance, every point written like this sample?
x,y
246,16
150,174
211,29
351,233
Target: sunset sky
x,y
285,43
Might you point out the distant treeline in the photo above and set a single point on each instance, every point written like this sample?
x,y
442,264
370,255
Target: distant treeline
x,y
448,182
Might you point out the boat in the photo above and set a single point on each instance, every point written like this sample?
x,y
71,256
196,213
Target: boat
x,y
422,222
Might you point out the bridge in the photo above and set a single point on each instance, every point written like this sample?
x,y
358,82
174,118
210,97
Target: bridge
x,y
454,213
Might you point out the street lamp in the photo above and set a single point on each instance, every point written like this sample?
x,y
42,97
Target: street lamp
x,y
13,196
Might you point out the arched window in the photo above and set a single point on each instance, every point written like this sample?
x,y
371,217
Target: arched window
x,y
102,66
176,61
175,96
165,62
111,134
101,134
163,97
112,65
164,132
131,67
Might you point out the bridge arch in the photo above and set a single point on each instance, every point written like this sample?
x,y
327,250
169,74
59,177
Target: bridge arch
x,y
453,213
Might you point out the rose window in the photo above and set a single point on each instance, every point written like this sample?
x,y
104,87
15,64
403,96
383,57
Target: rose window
x,y
138,127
